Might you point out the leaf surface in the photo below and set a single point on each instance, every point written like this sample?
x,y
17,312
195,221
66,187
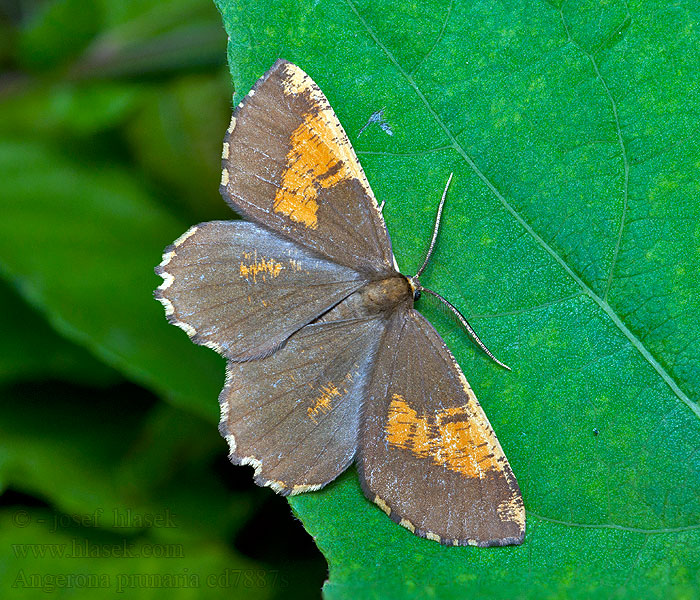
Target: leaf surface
x,y
570,240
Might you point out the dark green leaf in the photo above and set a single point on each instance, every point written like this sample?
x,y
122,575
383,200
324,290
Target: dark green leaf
x,y
148,37
68,109
94,238
46,555
84,452
121,474
57,32
30,349
176,136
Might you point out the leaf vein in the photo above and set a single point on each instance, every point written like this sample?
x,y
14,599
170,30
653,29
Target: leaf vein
x,y
641,530
601,301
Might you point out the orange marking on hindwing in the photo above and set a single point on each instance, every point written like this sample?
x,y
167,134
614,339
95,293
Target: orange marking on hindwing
x,y
323,402
312,163
451,437
259,266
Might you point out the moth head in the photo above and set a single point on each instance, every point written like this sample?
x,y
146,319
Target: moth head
x,y
416,287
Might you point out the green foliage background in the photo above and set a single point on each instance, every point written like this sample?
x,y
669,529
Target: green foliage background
x,y
571,240
111,120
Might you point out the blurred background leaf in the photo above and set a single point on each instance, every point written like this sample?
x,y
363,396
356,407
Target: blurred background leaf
x,y
111,121
570,239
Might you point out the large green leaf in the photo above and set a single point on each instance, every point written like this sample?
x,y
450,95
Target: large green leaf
x,y
570,239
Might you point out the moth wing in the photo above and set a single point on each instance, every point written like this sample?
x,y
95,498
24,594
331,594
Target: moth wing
x,y
287,164
295,415
242,290
428,455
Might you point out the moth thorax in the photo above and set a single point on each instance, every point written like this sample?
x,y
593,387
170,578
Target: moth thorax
x,y
386,294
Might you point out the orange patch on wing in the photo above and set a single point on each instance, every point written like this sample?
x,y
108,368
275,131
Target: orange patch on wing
x,y
451,438
314,162
259,266
323,402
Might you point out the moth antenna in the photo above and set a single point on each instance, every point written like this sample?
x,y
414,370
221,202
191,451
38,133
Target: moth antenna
x,y
437,226
466,326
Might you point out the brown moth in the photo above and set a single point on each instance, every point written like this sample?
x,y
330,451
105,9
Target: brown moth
x,y
328,363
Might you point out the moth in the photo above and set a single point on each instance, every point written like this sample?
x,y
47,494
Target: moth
x,y
328,362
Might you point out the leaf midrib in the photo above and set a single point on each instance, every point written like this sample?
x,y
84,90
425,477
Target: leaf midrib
x,y
658,531
600,301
